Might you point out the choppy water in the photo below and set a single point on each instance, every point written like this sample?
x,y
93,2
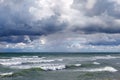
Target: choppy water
x,y
25,66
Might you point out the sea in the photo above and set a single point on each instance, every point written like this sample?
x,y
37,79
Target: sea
x,y
59,66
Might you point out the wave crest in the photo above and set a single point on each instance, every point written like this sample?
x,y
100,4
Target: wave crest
x,y
107,68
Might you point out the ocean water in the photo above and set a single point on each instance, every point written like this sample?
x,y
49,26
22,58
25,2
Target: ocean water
x,y
59,66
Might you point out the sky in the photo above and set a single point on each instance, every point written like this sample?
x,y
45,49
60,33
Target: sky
x,y
59,25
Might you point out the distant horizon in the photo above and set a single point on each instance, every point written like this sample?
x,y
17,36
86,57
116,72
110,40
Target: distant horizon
x,y
62,52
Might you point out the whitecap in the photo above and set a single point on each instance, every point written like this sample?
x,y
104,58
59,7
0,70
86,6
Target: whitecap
x,y
59,60
42,66
53,67
10,63
104,57
77,65
96,63
107,68
30,56
24,60
6,74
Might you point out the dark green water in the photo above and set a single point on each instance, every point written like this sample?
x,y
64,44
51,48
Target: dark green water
x,y
59,66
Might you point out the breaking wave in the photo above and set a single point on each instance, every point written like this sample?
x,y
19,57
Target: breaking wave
x,y
96,63
6,74
103,69
26,60
42,66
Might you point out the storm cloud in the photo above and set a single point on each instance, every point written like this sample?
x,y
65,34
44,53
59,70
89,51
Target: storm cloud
x,y
67,23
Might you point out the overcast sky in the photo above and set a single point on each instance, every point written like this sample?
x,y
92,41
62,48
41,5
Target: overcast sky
x,y
60,25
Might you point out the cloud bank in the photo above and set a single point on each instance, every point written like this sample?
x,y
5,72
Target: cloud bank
x,y
71,25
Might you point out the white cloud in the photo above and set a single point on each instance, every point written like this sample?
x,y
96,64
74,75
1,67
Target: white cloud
x,y
42,9
27,38
68,43
1,1
90,4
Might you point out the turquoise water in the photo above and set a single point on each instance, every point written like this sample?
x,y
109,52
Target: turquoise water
x,y
59,66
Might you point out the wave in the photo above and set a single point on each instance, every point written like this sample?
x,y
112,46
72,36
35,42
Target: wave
x,y
96,63
22,60
59,59
105,57
107,68
77,65
10,63
72,66
90,58
53,67
23,72
84,65
6,74
25,60
42,66
30,56
46,67
38,60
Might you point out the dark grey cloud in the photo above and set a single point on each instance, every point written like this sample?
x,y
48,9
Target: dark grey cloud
x,y
19,17
101,7
43,27
105,43
109,7
91,29
98,7
18,39
16,19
